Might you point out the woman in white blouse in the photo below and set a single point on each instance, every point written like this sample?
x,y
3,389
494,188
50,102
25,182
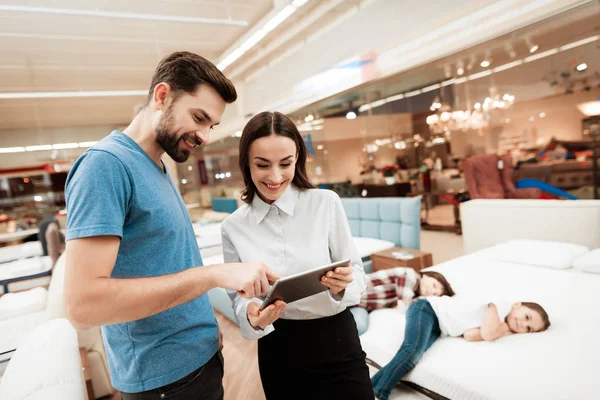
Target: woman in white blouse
x,y
308,349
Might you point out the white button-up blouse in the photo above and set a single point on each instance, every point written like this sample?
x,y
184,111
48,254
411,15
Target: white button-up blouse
x,y
301,230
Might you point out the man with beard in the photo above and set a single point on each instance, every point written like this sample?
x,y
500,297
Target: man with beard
x,y
132,263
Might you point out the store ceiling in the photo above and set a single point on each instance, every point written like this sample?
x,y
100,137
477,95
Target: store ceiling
x,y
527,81
105,45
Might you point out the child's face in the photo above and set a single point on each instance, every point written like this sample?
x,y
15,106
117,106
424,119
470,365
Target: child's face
x,y
430,287
524,320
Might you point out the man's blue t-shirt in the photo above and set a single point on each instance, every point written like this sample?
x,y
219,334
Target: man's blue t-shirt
x,y
115,188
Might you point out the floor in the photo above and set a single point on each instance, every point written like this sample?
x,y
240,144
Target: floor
x,y
443,245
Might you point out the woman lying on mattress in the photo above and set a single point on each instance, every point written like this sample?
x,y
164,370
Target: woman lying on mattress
x,y
397,287
428,318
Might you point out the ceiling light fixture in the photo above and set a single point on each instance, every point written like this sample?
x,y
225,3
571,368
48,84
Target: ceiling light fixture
x,y
257,36
121,15
487,61
351,115
55,95
581,67
532,47
460,68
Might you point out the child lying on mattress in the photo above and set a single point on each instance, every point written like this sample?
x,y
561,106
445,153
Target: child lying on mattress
x,y
397,287
428,318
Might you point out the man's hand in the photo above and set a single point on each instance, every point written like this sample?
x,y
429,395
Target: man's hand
x,y
264,318
338,280
249,279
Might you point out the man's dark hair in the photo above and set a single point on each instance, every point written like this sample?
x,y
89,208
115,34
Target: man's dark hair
x,y
185,71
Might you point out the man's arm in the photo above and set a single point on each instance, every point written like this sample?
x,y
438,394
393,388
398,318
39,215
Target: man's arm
x,y
93,298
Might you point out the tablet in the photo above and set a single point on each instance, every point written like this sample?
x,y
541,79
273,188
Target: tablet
x,y
298,286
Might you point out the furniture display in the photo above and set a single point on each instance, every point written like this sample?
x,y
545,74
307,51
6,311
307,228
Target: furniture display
x,y
33,313
20,251
17,236
385,259
397,219
398,189
564,174
47,365
25,270
223,204
489,176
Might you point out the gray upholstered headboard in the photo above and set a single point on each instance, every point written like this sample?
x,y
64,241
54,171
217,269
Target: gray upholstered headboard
x,y
396,219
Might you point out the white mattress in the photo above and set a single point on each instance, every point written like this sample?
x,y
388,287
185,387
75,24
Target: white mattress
x,y
368,246
25,267
561,363
18,251
16,304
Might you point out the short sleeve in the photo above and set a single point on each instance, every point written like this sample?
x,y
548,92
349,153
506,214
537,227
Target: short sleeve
x,y
97,194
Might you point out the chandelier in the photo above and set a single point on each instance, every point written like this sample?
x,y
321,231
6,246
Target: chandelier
x,y
495,102
444,120
447,121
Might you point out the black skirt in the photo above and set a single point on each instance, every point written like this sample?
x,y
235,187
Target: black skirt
x,y
314,359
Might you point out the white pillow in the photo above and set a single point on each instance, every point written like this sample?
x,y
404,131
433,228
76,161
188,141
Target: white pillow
x,y
589,262
540,253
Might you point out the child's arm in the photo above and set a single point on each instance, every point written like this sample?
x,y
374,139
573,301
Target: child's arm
x,y
492,327
473,335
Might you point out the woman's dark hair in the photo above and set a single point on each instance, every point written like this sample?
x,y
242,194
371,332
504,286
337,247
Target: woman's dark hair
x,y
267,124
448,291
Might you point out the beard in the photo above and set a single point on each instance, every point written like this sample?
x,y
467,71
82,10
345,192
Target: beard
x,y
168,140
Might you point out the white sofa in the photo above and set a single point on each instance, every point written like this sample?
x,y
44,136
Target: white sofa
x,y
46,366
25,311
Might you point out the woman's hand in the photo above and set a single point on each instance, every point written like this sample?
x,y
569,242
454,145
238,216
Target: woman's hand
x,y
264,318
338,280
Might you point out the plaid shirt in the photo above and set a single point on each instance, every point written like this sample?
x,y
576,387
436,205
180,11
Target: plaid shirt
x,y
386,287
